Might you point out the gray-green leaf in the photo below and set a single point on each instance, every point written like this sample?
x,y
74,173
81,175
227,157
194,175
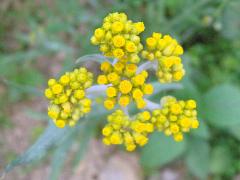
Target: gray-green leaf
x,y
160,151
49,138
202,131
198,157
221,105
92,57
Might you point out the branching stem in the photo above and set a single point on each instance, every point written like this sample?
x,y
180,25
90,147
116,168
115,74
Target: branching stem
x,y
151,105
146,65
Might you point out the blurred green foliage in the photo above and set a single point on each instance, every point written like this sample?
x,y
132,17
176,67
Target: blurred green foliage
x,y
36,33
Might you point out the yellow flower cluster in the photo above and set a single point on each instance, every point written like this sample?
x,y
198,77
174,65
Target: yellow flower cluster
x,y
165,51
119,37
120,129
175,117
68,102
124,84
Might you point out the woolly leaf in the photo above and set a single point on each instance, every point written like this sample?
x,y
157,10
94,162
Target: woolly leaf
x,y
92,57
202,131
160,151
60,154
198,157
49,138
221,105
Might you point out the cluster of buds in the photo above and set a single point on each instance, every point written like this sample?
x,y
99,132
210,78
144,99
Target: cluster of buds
x,y
124,82
68,102
175,117
121,129
119,37
165,52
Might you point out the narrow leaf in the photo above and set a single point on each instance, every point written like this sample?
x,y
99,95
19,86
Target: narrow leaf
x,y
92,57
49,138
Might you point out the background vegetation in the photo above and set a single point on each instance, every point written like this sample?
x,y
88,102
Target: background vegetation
x,y
36,36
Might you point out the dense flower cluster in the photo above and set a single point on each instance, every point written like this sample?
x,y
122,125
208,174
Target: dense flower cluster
x,y
119,37
124,84
68,102
175,117
121,129
165,51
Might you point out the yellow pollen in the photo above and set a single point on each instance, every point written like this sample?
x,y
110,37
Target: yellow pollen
x,y
60,123
125,86
118,41
131,47
137,94
117,27
111,92
102,79
118,53
57,89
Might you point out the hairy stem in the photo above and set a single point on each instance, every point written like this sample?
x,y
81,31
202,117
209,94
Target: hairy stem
x,y
125,110
146,65
114,61
96,90
151,105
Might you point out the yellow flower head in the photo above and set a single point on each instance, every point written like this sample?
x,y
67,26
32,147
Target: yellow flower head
x,y
118,41
109,103
118,37
124,84
165,51
105,66
102,79
68,102
111,92
121,129
124,100
139,26
175,117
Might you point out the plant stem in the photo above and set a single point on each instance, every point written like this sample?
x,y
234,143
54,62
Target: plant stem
x,y
125,110
96,90
151,105
145,66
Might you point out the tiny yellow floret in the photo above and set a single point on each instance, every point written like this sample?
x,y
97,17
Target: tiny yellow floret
x,y
125,86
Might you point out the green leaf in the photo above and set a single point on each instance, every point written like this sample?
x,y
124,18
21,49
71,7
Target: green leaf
x,y
230,20
221,159
197,159
160,151
83,145
92,57
202,131
221,105
60,154
188,90
55,136
235,131
158,87
49,138
85,131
